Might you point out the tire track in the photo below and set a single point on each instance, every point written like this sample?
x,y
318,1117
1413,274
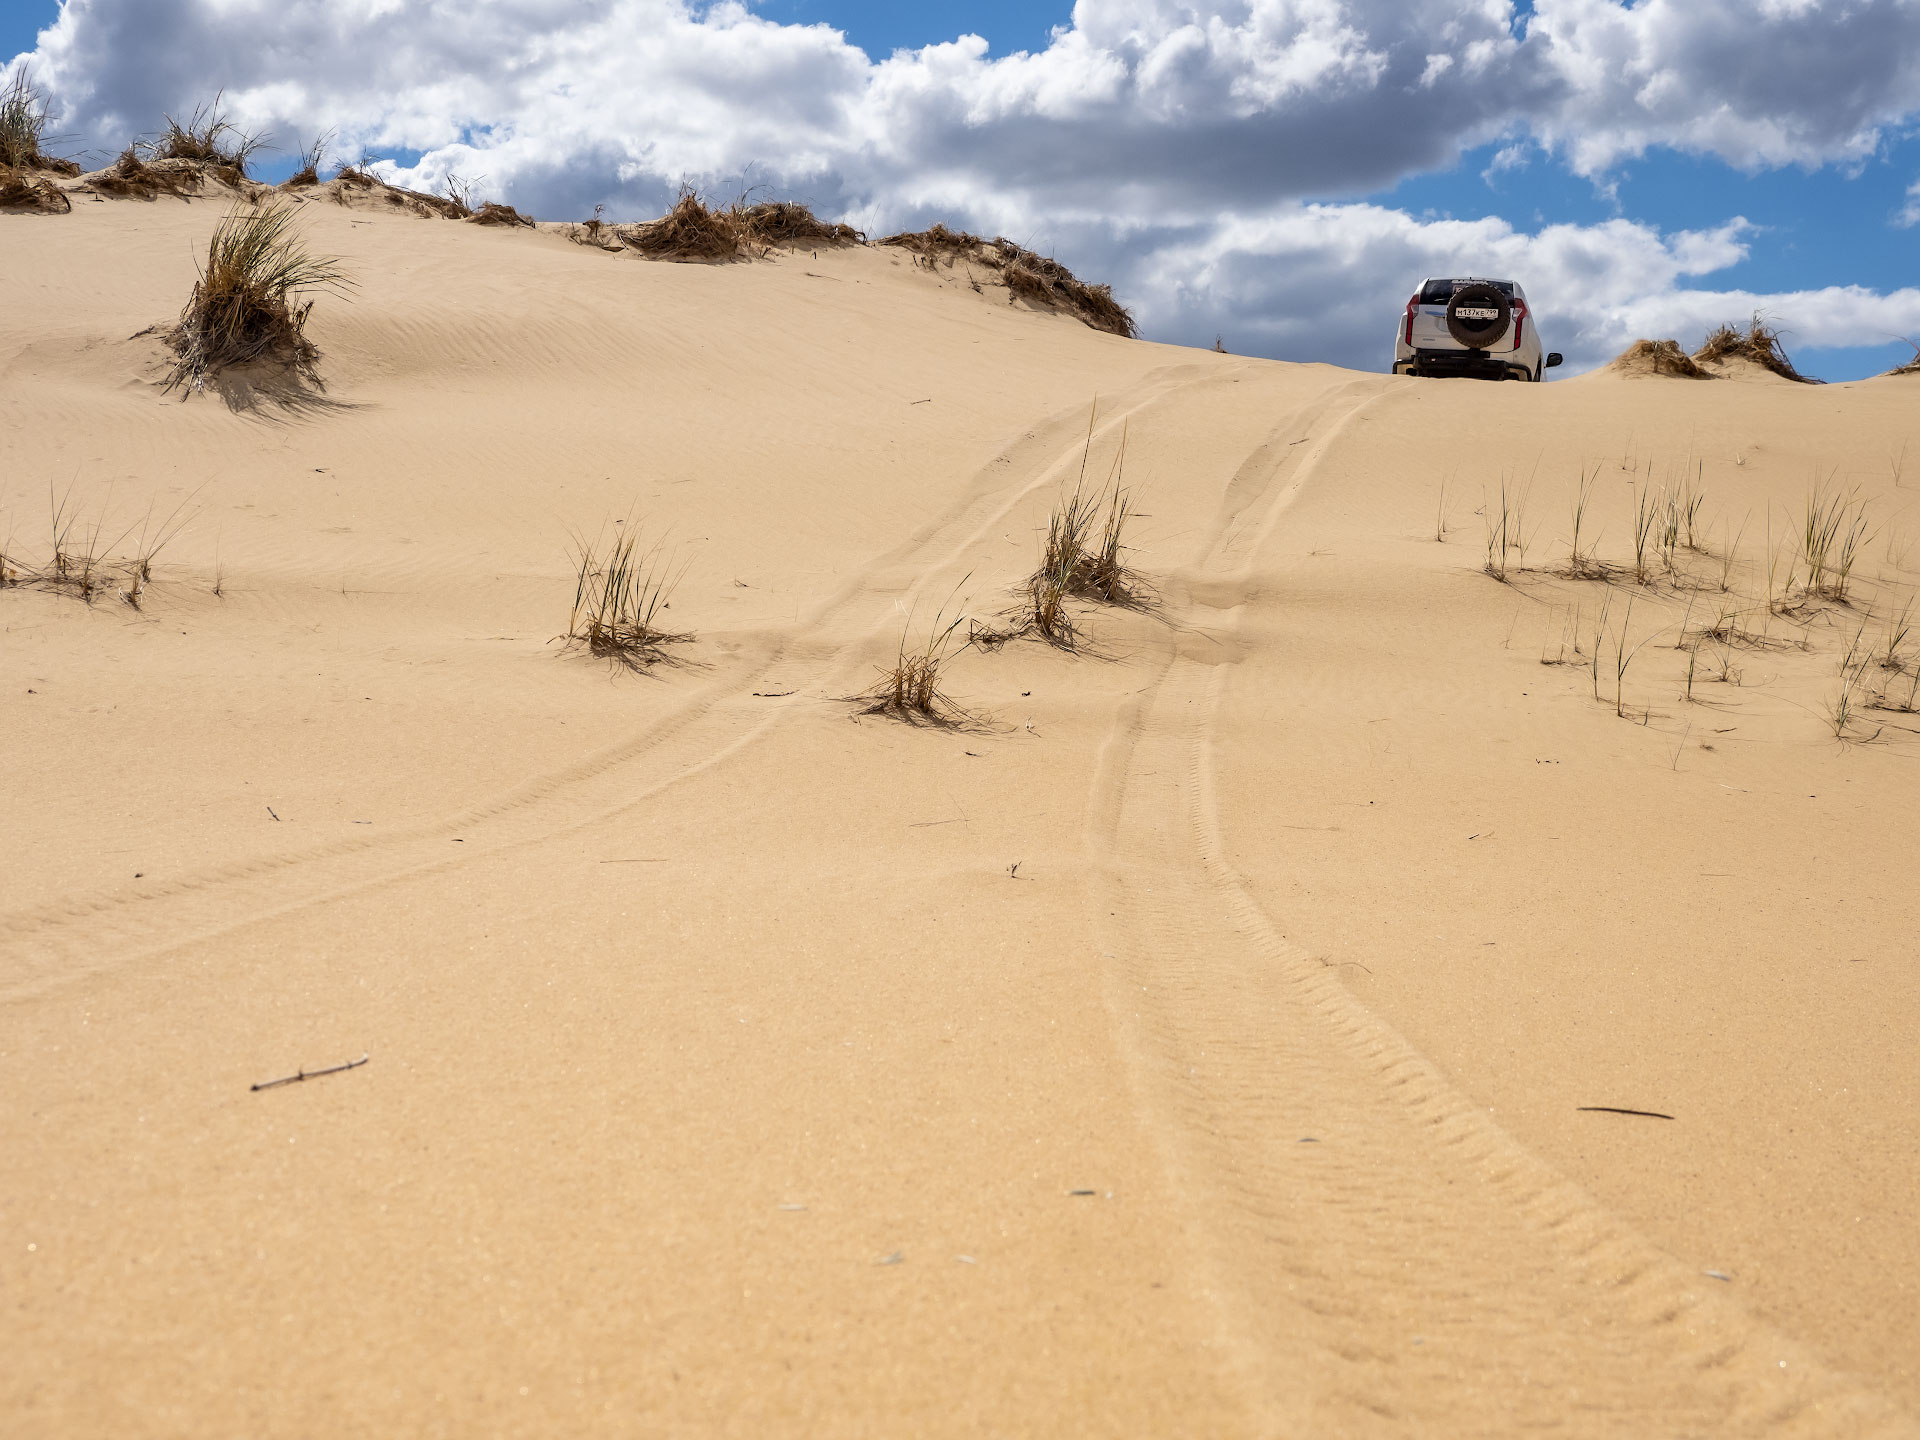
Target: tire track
x,y
1383,1258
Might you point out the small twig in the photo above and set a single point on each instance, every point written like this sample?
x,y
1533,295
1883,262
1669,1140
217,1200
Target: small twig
x,y
270,812
311,1074
1617,1110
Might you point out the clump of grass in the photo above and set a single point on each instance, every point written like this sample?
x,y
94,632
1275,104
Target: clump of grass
x,y
1622,659
209,139
81,558
1912,367
1897,634
1082,558
1036,279
243,307
620,594
1646,515
691,230
909,689
1833,531
595,232
132,178
1843,709
1506,540
493,212
312,160
459,195
1758,343
787,222
1581,563
24,190
1661,357
23,127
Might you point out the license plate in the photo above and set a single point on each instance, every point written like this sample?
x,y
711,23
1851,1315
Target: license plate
x,y
1475,312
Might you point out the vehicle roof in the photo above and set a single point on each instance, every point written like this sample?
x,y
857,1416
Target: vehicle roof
x,y
1513,285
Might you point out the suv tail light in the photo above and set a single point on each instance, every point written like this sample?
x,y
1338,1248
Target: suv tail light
x,y
1413,308
1519,321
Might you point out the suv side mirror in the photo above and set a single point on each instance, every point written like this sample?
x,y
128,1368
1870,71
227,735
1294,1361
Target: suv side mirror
x,y
1554,357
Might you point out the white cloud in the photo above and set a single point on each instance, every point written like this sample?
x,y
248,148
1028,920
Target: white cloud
x,y
1168,146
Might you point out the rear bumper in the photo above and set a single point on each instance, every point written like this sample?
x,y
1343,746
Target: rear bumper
x,y
1463,364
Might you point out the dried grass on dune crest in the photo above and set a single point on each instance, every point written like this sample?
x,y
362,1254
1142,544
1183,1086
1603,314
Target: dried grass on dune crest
x,y
1758,343
1036,279
24,165
695,230
312,160
787,222
691,230
132,178
243,307
208,139
1659,357
23,128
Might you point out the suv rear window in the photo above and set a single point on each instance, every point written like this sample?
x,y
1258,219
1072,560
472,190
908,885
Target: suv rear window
x,y
1439,292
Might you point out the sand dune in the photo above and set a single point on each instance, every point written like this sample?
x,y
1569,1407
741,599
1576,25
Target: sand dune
x,y
1202,1044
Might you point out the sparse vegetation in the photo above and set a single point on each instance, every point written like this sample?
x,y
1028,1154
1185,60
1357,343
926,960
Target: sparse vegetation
x,y
132,178
1661,357
1758,343
1833,531
621,592
23,128
313,159
493,212
786,222
691,230
81,554
208,139
1581,562
909,689
1034,278
1506,541
244,306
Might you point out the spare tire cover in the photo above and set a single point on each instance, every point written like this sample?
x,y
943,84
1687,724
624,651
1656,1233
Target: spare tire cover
x,y
1479,315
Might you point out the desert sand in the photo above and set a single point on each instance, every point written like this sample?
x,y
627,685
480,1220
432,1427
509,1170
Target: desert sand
x,y
1197,1043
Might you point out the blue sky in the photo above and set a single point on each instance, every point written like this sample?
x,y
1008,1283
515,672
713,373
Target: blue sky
x,y
1275,183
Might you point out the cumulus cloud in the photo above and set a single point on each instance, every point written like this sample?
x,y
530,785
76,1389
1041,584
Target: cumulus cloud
x,y
1174,147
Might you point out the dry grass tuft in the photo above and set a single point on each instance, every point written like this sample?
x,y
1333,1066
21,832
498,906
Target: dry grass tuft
x,y
787,222
1083,558
595,232
1661,357
1759,343
132,178
243,308
1912,367
492,212
208,139
23,128
81,562
1033,278
312,160
24,190
691,230
620,592
909,689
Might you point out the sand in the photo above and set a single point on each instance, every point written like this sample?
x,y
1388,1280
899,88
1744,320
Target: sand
x,y
1196,1046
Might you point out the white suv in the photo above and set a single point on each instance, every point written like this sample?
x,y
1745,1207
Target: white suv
x,y
1472,327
